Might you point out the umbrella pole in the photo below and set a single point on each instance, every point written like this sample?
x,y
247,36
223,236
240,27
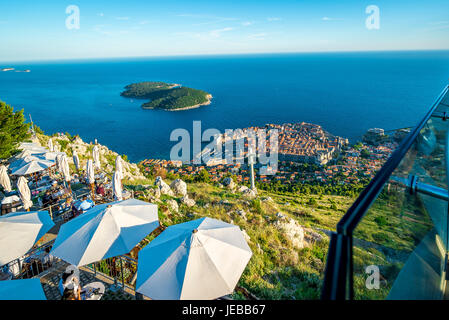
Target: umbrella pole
x,y
92,190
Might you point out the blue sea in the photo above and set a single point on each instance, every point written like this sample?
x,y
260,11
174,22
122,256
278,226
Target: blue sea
x,y
346,93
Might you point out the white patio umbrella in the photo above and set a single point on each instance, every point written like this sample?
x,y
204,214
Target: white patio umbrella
x,y
4,179
96,157
76,160
50,145
19,231
23,161
24,192
49,155
32,167
65,169
119,166
117,186
30,146
23,289
25,153
58,162
199,259
90,171
105,231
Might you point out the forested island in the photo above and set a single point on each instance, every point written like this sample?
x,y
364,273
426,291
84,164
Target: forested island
x,y
167,96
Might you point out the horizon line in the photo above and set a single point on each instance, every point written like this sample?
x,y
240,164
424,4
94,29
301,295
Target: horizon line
x,y
215,54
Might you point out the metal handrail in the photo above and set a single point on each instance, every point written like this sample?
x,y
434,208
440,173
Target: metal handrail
x,y
338,280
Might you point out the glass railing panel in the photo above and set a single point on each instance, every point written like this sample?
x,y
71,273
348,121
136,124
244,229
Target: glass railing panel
x,y
402,239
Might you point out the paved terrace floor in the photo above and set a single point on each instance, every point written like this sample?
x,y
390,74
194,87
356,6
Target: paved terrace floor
x,y
50,280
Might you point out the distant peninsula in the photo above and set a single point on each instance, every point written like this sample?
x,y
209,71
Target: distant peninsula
x,y
167,96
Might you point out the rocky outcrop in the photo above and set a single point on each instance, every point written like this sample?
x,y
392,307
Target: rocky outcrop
x,y
229,183
187,201
163,187
245,235
179,187
241,213
249,193
173,205
292,230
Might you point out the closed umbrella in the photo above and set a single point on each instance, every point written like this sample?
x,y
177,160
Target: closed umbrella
x,y
23,289
32,167
119,166
24,193
199,259
50,145
96,157
105,231
65,169
90,174
58,161
117,186
76,160
4,179
19,231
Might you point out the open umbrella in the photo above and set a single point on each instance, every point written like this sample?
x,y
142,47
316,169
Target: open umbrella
x,y
32,167
20,162
96,157
76,160
105,231
19,231
117,186
24,192
199,259
48,155
119,166
23,289
4,179
50,145
30,146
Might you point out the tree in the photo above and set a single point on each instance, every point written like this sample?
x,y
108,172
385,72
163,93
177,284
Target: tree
x,y
202,176
13,130
365,154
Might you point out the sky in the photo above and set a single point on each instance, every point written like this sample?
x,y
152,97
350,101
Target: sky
x,y
48,30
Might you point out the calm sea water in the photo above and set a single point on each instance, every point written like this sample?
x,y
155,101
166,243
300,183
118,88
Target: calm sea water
x,y
346,93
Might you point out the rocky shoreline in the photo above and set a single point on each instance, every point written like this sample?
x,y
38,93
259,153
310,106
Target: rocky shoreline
x,y
208,102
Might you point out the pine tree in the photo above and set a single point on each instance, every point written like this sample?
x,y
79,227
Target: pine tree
x,y
13,130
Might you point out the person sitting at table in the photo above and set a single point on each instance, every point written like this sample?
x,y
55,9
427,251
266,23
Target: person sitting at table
x,y
86,204
47,199
100,190
66,205
70,279
71,294
59,193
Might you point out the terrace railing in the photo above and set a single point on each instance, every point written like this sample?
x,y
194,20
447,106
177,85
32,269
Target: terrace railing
x,y
393,241
122,270
33,263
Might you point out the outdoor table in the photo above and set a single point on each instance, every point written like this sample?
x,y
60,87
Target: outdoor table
x,y
88,289
9,204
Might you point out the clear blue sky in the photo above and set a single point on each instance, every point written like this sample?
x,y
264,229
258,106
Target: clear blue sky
x,y
36,30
